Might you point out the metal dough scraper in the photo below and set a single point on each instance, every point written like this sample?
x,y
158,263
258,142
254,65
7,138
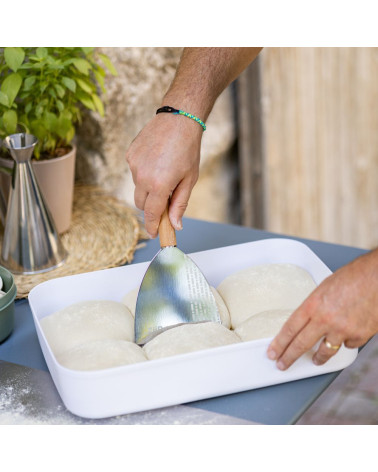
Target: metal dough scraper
x,y
173,291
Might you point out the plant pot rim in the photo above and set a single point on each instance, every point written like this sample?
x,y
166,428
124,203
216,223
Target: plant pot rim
x,y
54,159
45,161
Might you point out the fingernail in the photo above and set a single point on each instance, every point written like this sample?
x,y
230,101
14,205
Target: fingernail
x,y
272,354
178,225
315,361
281,365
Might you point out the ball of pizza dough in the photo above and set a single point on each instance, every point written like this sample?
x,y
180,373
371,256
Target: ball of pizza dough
x,y
97,355
263,325
130,300
222,308
188,338
86,321
264,287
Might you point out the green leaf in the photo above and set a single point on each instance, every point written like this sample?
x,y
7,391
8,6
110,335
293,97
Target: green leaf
x,y
10,121
50,120
108,64
98,104
86,51
81,65
4,100
40,107
60,90
70,135
86,100
100,79
43,86
37,128
63,127
60,105
29,82
69,83
85,86
10,86
28,107
14,57
42,53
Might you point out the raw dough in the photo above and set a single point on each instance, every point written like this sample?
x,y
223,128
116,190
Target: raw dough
x,y
189,338
130,300
264,287
263,325
222,309
92,320
97,355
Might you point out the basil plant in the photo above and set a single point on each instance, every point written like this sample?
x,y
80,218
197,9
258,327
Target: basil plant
x,y
43,92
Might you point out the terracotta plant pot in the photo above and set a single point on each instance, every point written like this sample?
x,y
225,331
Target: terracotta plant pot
x,y
56,179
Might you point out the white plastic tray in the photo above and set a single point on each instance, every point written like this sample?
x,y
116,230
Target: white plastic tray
x,y
186,377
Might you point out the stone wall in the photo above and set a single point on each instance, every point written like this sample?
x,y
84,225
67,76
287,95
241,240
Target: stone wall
x,y
144,75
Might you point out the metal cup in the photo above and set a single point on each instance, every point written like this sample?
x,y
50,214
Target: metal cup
x,y
31,243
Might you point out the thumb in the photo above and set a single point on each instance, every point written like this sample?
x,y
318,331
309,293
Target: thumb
x,y
179,203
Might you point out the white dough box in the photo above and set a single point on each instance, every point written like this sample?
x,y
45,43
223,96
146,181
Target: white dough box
x,y
185,377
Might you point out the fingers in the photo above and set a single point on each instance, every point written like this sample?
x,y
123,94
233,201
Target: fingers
x,y
140,196
289,331
326,350
153,209
179,202
301,343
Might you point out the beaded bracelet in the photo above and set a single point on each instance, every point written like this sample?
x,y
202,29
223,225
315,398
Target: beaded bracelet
x,y
181,112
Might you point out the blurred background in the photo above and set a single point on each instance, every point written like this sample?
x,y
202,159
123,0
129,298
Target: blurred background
x,y
291,146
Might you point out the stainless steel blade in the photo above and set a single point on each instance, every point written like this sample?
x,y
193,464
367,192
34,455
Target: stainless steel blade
x,y
173,291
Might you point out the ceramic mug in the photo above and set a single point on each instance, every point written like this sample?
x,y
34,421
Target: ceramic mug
x,y
7,303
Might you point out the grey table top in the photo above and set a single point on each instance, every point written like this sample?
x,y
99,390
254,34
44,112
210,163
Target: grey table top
x,y
278,404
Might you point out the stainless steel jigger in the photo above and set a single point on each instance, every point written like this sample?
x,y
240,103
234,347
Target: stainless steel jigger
x,y
31,243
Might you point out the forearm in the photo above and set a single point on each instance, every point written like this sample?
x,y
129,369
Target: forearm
x,y
203,74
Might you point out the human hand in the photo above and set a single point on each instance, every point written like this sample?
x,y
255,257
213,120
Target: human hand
x,y
164,160
343,309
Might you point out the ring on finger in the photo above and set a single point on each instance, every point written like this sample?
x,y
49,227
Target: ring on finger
x,y
334,347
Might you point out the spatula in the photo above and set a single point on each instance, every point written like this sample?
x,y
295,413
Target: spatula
x,y
173,291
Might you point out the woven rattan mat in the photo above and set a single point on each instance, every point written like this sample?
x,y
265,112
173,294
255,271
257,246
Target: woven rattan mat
x,y
104,233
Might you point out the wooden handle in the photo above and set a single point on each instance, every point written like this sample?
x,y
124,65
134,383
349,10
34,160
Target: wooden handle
x,y
167,234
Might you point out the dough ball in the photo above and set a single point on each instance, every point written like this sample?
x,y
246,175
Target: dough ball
x,y
97,355
130,300
222,308
263,325
187,338
87,321
265,287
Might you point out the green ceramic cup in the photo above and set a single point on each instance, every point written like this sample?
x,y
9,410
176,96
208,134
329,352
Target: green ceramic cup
x,y
7,304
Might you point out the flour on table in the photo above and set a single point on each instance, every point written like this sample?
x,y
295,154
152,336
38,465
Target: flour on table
x,y
86,321
265,287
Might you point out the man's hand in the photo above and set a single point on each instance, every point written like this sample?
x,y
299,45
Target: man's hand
x,y
342,309
164,157
164,160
